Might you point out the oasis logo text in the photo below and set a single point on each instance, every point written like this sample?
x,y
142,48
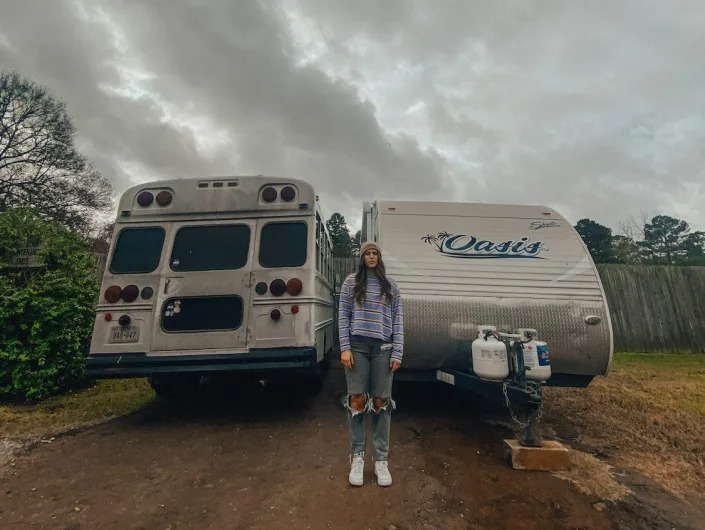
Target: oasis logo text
x,y
468,246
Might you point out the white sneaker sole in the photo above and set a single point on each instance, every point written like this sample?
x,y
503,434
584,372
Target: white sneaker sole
x,y
354,482
382,483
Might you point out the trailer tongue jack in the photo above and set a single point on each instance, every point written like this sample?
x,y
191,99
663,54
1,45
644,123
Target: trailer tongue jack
x,y
518,392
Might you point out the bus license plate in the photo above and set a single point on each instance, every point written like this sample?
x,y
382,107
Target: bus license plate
x,y
125,334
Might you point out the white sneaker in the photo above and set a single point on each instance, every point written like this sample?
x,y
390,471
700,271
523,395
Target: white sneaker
x,y
357,469
384,477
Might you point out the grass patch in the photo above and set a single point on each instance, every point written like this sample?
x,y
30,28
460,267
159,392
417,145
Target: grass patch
x,y
648,413
106,400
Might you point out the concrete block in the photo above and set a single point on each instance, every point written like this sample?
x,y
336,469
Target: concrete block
x,y
551,456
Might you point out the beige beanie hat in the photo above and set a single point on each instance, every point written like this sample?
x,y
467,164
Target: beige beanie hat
x,y
369,245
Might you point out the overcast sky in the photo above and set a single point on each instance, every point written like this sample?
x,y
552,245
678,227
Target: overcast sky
x,y
594,108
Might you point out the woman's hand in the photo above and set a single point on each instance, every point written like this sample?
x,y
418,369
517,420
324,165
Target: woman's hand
x,y
394,365
347,359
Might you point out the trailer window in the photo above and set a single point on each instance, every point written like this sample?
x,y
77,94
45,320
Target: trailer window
x,y
205,248
283,244
137,250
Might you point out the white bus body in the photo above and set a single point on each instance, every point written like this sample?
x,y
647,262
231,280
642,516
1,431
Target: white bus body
x,y
203,276
463,265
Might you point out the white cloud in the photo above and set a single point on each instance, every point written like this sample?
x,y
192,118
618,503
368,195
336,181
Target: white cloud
x,y
597,110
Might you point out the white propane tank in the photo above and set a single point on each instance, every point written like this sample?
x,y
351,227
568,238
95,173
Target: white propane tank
x,y
536,357
489,357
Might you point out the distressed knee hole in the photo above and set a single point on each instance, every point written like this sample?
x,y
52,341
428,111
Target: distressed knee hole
x,y
381,403
358,402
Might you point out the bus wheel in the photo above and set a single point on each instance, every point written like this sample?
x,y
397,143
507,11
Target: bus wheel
x,y
175,386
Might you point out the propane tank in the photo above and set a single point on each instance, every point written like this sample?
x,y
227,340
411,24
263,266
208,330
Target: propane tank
x,y
489,356
536,356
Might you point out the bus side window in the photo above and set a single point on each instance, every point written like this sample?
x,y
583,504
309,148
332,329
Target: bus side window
x,y
318,242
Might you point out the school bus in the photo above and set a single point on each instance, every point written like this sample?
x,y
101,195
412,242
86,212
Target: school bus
x,y
214,275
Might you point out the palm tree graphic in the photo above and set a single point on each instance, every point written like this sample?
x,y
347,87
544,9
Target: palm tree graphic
x,y
436,240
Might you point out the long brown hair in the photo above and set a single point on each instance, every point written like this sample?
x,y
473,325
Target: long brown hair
x,y
359,291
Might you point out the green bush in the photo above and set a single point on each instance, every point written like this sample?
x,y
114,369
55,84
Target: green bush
x,y
47,312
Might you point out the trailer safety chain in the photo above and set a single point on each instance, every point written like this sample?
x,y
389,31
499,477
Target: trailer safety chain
x,y
536,415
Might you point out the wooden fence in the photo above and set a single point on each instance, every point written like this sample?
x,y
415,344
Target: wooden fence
x,y
656,309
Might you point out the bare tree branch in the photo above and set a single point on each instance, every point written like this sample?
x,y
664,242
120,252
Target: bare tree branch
x,y
39,164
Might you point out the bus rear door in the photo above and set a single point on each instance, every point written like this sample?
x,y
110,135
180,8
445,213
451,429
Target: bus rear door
x,y
205,293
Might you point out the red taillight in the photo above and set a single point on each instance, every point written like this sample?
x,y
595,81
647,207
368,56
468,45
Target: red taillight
x,y
108,317
130,293
294,286
277,287
112,293
164,198
145,198
294,309
269,194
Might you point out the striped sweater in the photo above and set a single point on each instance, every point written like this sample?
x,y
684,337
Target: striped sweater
x,y
376,317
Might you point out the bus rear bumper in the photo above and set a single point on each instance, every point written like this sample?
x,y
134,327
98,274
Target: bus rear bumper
x,y
139,364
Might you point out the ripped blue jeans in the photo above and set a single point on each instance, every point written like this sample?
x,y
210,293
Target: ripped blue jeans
x,y
370,376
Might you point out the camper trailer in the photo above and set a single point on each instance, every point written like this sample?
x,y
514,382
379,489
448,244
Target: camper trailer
x,y
460,267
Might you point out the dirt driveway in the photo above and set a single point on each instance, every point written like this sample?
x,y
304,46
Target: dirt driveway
x,y
266,458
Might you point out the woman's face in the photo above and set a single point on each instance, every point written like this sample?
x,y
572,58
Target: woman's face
x,y
371,258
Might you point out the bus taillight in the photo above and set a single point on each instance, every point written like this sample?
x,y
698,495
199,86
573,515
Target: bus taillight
x,y
144,199
130,293
288,194
275,314
294,309
113,293
277,287
261,288
294,286
269,194
164,198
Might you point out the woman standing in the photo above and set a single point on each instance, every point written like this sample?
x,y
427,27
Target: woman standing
x,y
371,342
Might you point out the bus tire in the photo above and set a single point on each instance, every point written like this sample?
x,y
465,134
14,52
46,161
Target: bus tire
x,y
175,386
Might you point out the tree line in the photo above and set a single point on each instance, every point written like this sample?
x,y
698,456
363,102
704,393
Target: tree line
x,y
661,240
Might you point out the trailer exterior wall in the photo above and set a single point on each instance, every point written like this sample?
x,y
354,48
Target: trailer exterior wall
x,y
456,269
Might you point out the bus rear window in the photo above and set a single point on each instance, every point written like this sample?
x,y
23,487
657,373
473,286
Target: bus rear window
x,y
137,251
283,244
204,248
202,313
